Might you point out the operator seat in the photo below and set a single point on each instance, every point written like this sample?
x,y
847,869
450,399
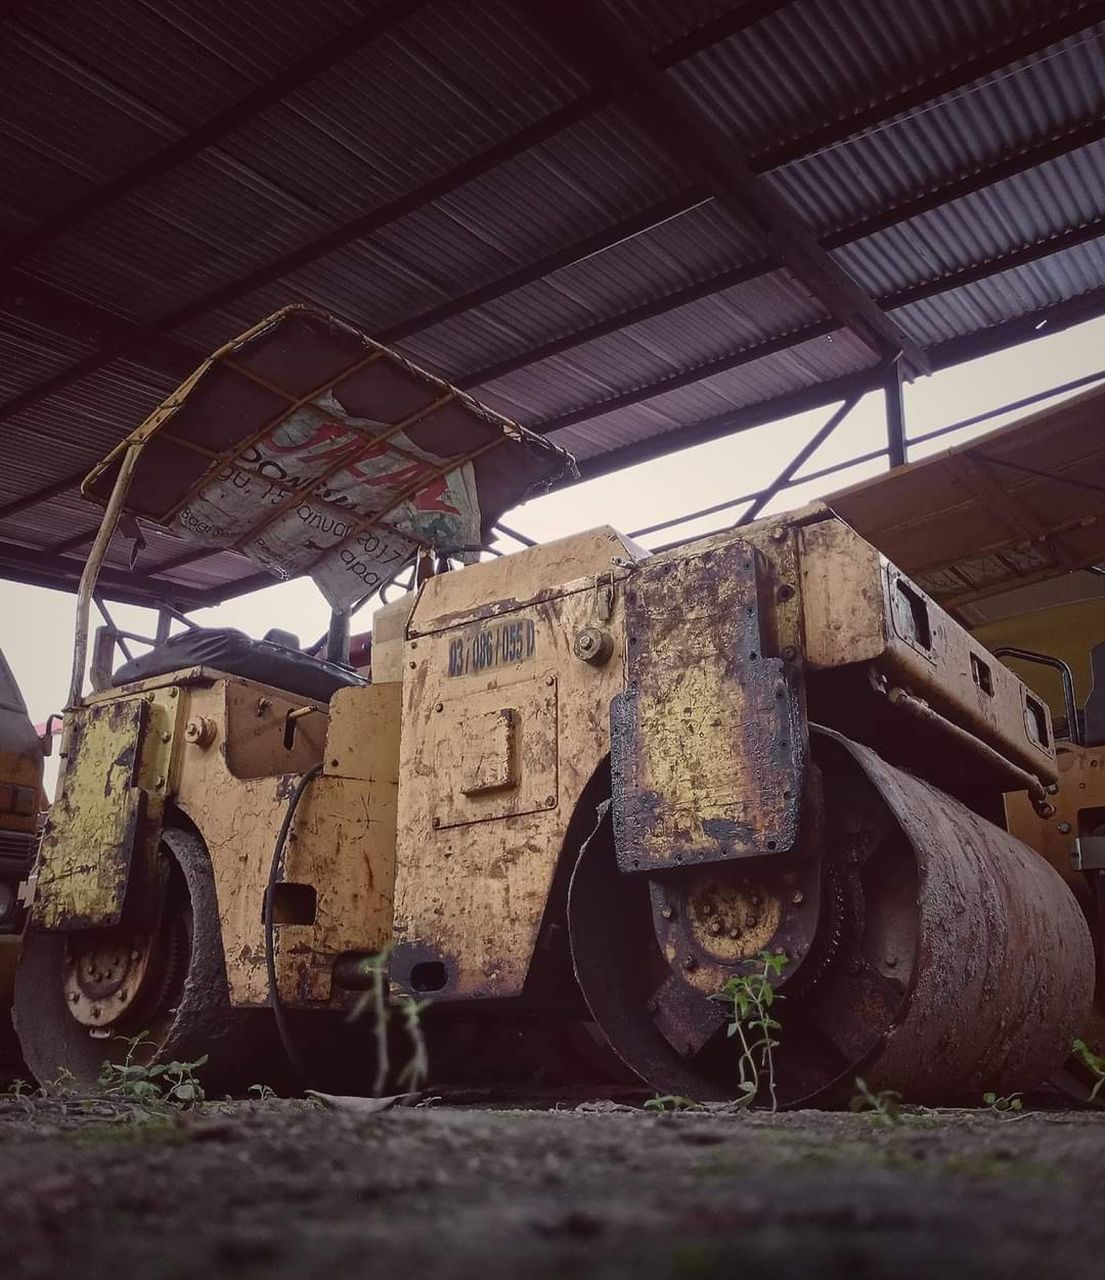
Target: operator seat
x,y
223,648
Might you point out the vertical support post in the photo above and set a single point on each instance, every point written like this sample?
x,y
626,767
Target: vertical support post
x,y
92,568
895,413
337,638
164,625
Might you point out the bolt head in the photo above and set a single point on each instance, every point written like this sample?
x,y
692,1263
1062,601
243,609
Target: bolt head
x,y
666,912
779,533
436,822
1064,828
798,897
166,736
689,963
440,706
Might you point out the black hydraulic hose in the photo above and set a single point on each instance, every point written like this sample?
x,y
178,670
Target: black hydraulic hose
x,y
275,1003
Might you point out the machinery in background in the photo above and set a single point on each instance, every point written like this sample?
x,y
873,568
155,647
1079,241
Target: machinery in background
x,y
584,788
21,805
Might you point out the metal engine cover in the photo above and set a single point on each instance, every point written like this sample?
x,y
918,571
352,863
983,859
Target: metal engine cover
x,y
708,743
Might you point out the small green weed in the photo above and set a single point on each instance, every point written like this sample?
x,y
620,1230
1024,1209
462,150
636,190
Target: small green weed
x,y
668,1102
1094,1064
1003,1106
414,1073
262,1092
885,1105
167,1082
751,996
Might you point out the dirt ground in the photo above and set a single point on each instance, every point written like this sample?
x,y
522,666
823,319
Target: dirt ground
x,y
297,1189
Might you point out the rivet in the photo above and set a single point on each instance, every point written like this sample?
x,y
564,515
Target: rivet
x,y
166,736
666,912
1064,828
779,533
689,962
789,653
160,781
550,801
891,962
436,822
550,681
412,665
715,929
786,592
173,693
440,706
798,897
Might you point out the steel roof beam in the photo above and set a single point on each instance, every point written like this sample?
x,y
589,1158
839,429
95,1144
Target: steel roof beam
x,y
86,322
1009,165
1006,167
945,355
638,224
784,342
721,28
218,127
609,52
935,83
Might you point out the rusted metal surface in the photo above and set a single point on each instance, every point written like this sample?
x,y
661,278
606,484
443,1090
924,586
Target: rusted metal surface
x,y
85,858
475,867
1004,969
860,609
708,744
948,959
179,999
1079,803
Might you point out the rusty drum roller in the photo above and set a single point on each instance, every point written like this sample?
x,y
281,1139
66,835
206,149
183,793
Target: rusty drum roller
x,y
927,950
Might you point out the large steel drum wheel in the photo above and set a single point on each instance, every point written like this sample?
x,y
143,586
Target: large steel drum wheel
x,y
926,951
84,997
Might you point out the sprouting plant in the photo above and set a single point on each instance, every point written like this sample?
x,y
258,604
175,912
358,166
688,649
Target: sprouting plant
x,y
414,1073
666,1102
171,1082
261,1092
1094,1064
1003,1106
751,996
885,1105
19,1089
62,1084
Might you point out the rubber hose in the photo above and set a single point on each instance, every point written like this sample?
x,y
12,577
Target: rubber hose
x,y
275,1003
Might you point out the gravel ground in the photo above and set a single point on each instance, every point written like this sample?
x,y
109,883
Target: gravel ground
x,y
300,1189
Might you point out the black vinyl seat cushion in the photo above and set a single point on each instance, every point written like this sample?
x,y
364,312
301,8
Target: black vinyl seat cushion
x,y
232,651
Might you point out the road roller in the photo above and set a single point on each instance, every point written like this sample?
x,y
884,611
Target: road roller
x,y
569,795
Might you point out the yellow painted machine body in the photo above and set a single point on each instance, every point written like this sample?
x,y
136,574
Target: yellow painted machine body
x,y
21,797
451,787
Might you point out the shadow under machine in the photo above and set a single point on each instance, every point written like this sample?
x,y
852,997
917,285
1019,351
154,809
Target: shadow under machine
x,y
579,789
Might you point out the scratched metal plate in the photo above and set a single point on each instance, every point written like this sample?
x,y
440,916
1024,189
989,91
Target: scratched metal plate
x,y
89,840
708,743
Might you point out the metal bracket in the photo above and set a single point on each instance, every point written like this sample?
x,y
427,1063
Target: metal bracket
x,y
1088,853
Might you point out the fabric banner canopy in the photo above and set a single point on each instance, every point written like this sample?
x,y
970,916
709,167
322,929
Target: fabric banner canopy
x,y
313,450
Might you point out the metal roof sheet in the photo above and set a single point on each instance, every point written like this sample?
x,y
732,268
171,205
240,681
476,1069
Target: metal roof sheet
x,y
600,215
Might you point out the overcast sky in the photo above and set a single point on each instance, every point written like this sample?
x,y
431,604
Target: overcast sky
x,y
36,624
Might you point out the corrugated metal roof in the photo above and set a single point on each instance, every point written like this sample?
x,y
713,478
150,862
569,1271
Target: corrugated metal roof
x,y
460,176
